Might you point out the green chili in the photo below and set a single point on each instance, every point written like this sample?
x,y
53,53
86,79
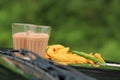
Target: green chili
x,y
88,57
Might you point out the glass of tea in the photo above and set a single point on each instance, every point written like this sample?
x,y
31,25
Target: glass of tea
x,y
19,35
37,41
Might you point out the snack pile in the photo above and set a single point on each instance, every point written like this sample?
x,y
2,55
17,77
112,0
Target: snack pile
x,y
60,54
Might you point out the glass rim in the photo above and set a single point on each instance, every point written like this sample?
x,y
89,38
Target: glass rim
x,y
34,25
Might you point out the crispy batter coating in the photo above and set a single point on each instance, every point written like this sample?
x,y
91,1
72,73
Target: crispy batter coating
x,y
60,54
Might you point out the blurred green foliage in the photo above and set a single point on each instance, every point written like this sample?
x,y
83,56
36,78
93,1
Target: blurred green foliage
x,y
84,25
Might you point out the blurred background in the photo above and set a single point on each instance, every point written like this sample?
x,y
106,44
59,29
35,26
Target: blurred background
x,y
83,25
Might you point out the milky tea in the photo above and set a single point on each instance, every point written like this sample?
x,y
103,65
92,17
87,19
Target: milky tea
x,y
19,41
35,41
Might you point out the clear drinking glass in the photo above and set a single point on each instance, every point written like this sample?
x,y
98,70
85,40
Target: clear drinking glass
x,y
37,41
19,35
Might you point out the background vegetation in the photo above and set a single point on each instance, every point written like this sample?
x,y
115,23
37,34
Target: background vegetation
x,y
84,25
